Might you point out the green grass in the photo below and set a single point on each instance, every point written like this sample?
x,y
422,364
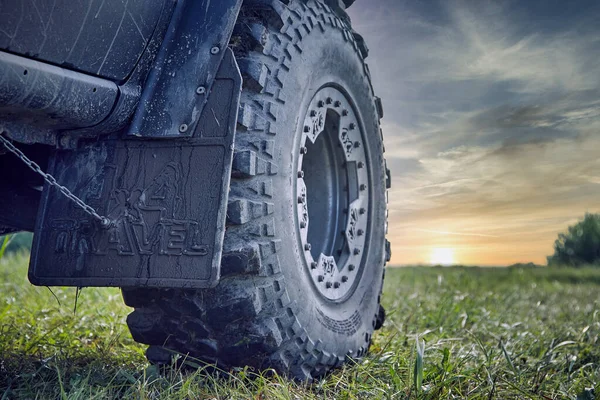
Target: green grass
x,y
482,333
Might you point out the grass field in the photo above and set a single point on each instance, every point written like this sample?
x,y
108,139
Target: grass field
x,y
483,333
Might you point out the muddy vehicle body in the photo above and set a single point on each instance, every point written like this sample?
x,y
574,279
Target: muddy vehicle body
x,y
220,161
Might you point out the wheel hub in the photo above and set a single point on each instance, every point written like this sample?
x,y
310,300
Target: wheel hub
x,y
333,194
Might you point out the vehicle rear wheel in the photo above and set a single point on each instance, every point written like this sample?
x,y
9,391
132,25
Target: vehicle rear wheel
x,y
305,247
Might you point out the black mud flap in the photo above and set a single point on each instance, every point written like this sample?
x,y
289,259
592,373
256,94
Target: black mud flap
x,y
166,199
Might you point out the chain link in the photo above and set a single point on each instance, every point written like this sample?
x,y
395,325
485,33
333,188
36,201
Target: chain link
x,y
52,181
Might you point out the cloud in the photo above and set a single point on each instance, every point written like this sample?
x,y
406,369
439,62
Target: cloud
x,y
492,123
509,173
454,233
475,54
493,48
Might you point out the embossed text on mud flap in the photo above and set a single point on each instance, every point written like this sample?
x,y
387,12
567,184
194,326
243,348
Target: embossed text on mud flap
x,y
163,200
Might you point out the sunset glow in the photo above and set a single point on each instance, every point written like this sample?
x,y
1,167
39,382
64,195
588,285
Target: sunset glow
x,y
442,256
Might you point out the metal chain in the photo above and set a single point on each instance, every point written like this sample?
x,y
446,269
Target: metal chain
x,y
52,182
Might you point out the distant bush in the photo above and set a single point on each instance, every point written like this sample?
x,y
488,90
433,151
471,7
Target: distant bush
x,y
580,245
19,241
524,265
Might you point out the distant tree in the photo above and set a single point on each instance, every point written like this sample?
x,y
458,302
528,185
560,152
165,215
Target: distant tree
x,y
580,245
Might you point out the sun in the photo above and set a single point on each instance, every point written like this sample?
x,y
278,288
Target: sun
x,y
442,256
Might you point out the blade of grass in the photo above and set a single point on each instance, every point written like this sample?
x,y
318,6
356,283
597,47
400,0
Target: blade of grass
x,y
510,363
418,373
5,242
63,394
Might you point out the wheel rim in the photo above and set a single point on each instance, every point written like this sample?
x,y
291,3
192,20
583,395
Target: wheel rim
x,y
332,186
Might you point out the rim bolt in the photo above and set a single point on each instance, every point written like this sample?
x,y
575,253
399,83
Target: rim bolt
x,y
313,265
306,128
351,126
344,278
360,232
307,247
300,199
300,174
328,285
361,164
336,285
363,186
303,150
320,278
362,211
344,112
351,267
302,224
313,113
329,100
337,103
356,252
356,145
320,103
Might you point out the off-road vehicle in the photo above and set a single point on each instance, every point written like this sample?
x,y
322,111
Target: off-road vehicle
x,y
220,161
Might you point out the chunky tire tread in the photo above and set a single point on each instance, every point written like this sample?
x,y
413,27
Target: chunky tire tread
x,y
249,316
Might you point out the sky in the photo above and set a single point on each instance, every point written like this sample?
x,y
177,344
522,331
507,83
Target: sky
x,y
491,126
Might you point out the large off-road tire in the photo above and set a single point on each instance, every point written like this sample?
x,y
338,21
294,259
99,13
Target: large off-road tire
x,y
305,244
